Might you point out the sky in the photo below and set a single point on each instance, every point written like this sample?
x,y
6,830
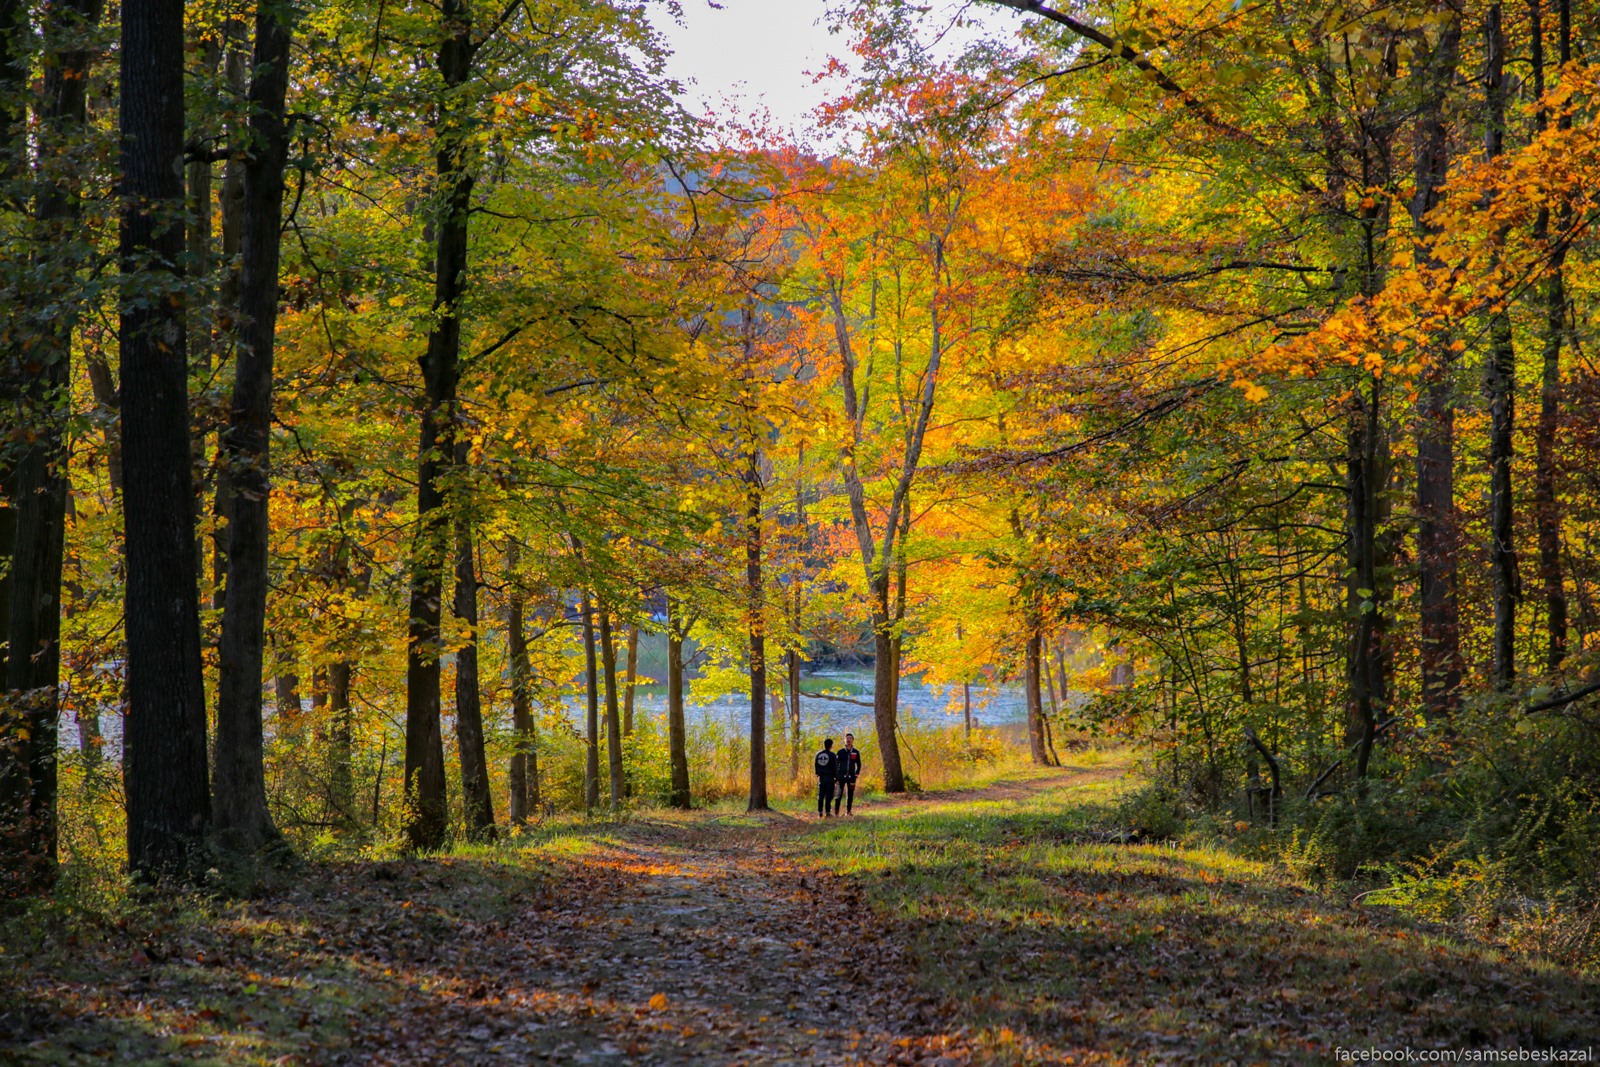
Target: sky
x,y
756,52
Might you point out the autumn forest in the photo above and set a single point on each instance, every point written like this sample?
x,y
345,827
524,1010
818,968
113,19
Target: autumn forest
x,y
452,484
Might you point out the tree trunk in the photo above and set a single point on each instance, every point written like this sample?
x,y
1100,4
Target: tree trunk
x,y
165,773
755,620
794,716
236,70
30,672
525,757
341,742
426,815
1500,388
676,742
591,765
1439,624
477,806
608,658
883,706
1031,664
243,823
1366,484
630,680
1546,504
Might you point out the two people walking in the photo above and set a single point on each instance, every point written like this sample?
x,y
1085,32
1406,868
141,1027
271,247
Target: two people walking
x,y
836,777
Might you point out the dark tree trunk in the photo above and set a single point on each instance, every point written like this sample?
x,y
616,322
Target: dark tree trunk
x,y
677,752
1546,504
1500,388
286,684
30,672
755,619
608,658
341,742
477,805
525,757
243,822
630,681
1367,475
1439,625
165,771
236,64
883,692
1030,670
793,662
426,815
591,763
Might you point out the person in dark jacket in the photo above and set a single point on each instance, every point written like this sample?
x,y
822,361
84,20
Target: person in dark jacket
x,y
847,767
826,762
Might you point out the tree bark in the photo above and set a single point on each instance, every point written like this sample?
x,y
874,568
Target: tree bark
x,y
1439,624
426,816
243,823
477,805
1031,664
591,765
1500,389
755,620
30,670
525,757
165,773
677,753
608,659
793,660
341,742
630,680
1546,504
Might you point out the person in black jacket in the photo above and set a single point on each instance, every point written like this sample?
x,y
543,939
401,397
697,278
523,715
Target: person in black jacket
x,y
847,768
826,763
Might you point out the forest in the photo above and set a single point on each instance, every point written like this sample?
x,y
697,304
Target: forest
x,y
447,476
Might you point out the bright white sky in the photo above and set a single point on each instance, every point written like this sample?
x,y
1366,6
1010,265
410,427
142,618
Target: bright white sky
x,y
757,52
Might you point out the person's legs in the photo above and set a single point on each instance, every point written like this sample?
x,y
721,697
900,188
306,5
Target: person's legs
x,y
849,797
824,795
838,791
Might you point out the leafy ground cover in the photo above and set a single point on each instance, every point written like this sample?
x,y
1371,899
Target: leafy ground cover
x,y
990,925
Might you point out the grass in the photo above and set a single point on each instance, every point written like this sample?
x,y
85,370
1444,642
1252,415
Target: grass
x,y
1058,948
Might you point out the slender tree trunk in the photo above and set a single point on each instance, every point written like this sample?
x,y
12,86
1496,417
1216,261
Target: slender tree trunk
x,y
1546,504
793,660
630,681
1500,388
591,764
525,757
883,685
755,619
243,823
1031,664
677,751
30,672
236,70
1439,625
165,773
966,709
608,657
426,815
1367,475
477,805
341,742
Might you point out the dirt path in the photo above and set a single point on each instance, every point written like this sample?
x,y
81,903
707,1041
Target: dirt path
x,y
667,941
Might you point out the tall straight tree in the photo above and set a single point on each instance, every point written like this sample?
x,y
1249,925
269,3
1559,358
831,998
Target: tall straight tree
x,y
1437,547
476,803
30,656
164,747
426,817
1546,501
755,604
608,660
677,749
1500,388
243,823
